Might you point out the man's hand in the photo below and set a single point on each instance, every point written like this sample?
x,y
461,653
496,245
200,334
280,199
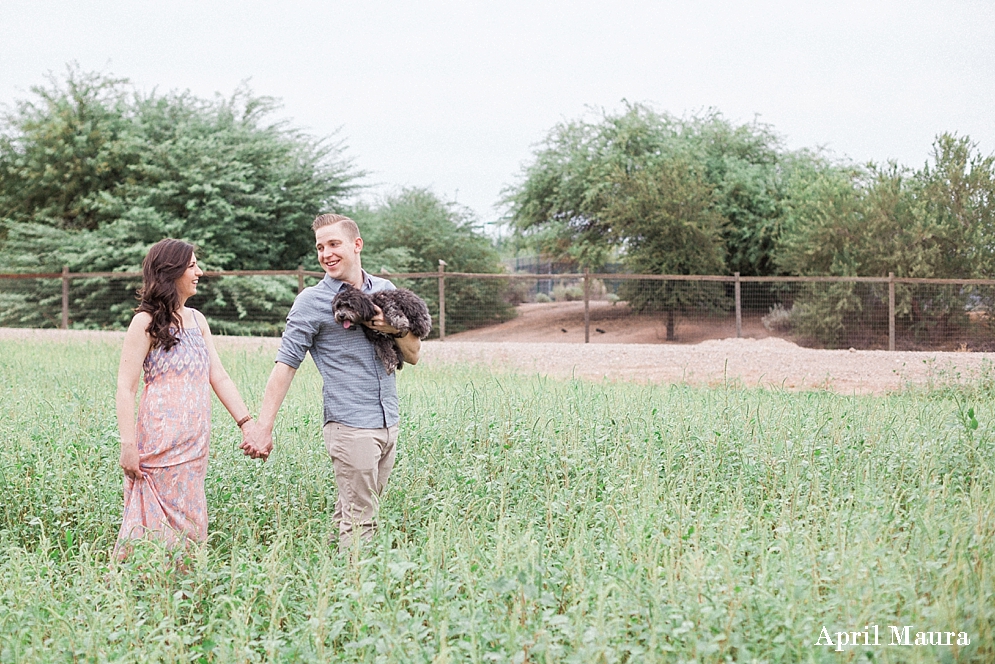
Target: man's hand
x,y
257,435
257,441
379,324
409,344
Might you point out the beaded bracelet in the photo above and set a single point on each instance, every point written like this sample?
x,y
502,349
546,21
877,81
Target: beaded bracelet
x,y
243,421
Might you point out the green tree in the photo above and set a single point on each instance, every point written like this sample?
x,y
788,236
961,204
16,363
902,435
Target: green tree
x,y
746,164
412,231
60,151
558,205
666,221
933,223
92,173
955,211
643,186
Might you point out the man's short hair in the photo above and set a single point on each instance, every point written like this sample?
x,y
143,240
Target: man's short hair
x,y
331,218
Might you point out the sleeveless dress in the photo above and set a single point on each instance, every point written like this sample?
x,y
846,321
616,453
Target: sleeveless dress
x,y
173,433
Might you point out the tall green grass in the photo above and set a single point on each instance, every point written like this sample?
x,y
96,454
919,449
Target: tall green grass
x,y
527,520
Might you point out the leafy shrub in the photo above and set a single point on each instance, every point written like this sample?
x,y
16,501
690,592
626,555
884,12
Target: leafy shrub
x,y
936,222
517,292
840,314
778,319
563,293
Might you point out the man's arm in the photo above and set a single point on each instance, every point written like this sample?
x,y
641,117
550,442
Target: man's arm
x,y
409,344
259,443
410,347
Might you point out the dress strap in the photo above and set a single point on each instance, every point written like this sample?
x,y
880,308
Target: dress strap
x,y
197,320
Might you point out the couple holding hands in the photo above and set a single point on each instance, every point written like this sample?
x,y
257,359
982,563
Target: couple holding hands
x,y
164,451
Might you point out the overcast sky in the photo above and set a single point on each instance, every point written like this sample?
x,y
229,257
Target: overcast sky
x,y
454,95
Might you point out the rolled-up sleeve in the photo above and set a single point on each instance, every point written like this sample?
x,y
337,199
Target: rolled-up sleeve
x,y
298,337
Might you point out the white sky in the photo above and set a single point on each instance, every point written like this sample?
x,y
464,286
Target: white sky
x,y
454,95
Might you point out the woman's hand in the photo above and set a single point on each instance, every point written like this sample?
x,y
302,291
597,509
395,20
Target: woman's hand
x,y
257,441
129,461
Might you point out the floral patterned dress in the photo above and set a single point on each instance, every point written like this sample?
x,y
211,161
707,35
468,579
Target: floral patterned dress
x,y
173,434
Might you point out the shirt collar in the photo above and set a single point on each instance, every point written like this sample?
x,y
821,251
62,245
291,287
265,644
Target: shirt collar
x,y
336,285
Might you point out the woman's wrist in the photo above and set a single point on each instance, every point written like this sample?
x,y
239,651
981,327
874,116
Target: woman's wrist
x,y
241,422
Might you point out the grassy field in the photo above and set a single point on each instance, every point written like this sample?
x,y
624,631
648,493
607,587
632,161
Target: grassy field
x,y
527,520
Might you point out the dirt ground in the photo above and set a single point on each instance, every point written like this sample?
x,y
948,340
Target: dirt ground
x,y
563,322
548,339
769,362
633,352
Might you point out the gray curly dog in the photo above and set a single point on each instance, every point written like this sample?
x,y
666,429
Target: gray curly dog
x,y
401,309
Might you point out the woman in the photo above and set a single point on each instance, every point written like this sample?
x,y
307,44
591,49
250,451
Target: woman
x,y
164,454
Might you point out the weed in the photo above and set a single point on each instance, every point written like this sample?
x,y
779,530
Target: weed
x,y
527,520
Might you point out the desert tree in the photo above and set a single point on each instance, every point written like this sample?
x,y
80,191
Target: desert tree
x,y
92,172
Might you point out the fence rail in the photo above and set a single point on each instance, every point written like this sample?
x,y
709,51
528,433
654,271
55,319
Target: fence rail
x,y
827,311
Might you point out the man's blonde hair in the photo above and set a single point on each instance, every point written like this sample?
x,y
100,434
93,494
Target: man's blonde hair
x,y
330,218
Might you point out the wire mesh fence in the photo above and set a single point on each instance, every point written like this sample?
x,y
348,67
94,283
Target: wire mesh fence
x,y
896,314
823,312
244,303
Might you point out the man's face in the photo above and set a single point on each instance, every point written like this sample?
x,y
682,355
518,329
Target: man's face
x,y
338,253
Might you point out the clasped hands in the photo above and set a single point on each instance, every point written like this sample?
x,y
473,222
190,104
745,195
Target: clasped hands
x,y
257,440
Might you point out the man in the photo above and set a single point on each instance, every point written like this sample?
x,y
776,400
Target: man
x,y
360,397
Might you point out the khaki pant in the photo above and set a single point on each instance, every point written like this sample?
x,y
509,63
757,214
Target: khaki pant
x,y
363,459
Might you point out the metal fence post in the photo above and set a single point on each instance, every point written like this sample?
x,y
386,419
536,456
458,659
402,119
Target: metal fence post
x,y
65,297
891,311
739,307
587,305
300,279
442,300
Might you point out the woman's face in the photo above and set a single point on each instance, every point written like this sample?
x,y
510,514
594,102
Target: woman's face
x,y
186,285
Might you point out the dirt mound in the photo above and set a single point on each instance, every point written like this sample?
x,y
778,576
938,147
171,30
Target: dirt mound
x,y
770,343
768,362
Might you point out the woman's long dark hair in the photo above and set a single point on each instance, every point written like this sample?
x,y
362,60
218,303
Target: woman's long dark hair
x,y
166,262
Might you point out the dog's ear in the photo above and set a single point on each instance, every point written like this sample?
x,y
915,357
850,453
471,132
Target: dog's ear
x,y
365,306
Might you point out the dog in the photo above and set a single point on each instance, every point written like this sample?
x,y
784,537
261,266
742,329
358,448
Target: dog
x,y
401,308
